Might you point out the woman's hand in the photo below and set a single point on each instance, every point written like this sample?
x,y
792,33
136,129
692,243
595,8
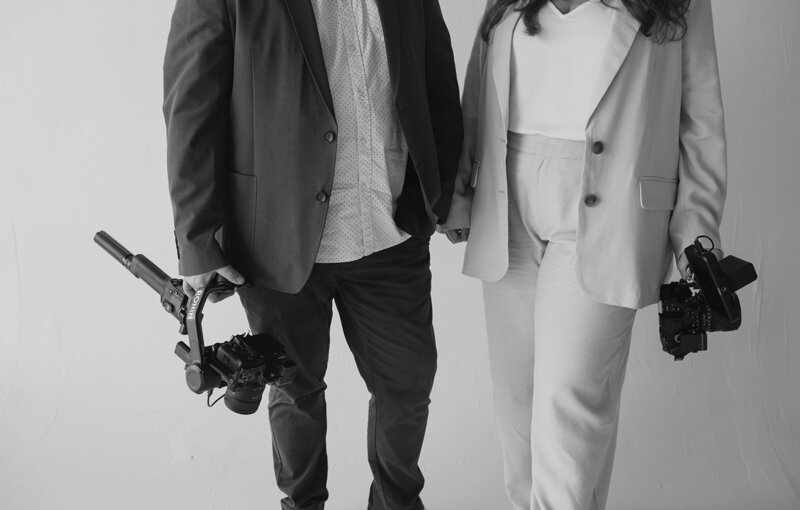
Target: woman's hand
x,y
455,235
686,271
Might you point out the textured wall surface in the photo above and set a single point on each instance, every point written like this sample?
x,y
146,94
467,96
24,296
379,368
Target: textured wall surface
x,y
94,412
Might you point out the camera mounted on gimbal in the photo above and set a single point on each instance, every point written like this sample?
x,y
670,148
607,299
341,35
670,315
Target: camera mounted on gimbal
x,y
245,363
686,315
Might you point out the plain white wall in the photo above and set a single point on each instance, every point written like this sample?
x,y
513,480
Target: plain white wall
x,y
94,412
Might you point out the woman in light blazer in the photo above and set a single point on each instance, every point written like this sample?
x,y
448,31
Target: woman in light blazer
x,y
594,151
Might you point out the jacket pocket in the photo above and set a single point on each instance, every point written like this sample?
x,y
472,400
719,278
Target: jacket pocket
x,y
242,206
657,193
473,176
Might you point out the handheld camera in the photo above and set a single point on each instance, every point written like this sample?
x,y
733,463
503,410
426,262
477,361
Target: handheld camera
x,y
708,302
245,364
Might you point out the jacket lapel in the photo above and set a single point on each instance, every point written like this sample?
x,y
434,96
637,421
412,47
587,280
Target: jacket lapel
x,y
624,28
390,20
500,59
305,26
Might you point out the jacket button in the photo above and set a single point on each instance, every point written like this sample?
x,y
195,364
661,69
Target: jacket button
x,y
591,200
322,197
330,136
598,147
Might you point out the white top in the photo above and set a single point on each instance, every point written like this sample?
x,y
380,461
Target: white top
x,y
554,72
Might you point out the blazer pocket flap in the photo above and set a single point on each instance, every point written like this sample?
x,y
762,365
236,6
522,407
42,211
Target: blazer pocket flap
x,y
473,177
658,194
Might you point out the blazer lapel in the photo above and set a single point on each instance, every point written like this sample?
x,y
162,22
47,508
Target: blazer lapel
x,y
500,59
624,28
390,20
305,26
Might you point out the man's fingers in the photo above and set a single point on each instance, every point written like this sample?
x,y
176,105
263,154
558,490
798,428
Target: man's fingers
x,y
219,296
192,283
231,274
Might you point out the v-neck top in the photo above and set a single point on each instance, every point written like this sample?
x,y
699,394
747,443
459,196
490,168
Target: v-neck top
x,y
554,72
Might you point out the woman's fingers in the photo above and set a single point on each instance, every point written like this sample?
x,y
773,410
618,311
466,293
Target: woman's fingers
x,y
457,235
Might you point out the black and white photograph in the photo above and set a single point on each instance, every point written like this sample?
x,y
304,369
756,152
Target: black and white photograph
x,y
400,254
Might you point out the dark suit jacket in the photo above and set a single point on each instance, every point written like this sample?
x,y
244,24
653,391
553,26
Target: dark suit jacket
x,y
251,131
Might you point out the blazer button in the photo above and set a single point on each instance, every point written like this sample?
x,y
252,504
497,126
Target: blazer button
x,y
322,197
330,136
598,147
591,200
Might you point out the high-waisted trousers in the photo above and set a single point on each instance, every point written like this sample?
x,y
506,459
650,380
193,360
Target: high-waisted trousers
x,y
557,357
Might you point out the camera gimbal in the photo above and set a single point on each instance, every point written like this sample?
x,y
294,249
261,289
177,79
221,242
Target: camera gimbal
x,y
245,364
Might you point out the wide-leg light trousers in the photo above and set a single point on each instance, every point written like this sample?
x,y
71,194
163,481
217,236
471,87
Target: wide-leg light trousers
x,y
557,357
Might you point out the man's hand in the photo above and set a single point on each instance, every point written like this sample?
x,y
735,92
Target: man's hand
x,y
192,283
455,235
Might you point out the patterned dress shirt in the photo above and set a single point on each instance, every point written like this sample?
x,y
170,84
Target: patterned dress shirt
x,y
371,152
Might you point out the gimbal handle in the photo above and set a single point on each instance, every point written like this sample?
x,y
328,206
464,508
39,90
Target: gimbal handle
x,y
139,265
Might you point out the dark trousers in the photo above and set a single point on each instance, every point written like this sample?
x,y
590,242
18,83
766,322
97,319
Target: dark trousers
x,y
385,309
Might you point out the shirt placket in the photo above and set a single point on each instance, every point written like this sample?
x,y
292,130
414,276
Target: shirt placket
x,y
356,60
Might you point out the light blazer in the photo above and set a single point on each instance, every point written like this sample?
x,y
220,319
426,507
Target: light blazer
x,y
252,132
659,169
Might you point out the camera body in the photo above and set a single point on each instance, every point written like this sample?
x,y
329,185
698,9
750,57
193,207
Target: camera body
x,y
707,303
245,364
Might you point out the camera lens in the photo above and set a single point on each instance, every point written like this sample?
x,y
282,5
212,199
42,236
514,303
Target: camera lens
x,y
245,400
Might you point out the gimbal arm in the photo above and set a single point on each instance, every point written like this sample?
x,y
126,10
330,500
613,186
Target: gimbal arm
x,y
195,352
173,299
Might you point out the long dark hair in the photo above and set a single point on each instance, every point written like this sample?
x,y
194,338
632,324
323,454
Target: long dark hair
x,y
663,20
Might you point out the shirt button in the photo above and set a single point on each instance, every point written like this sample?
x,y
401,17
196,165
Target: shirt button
x,y
330,136
591,200
322,197
598,147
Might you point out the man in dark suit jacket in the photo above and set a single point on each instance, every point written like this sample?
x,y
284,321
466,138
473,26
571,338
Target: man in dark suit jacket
x,y
313,146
